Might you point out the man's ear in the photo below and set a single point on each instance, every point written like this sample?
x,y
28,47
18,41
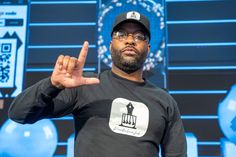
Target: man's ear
x,y
110,46
149,48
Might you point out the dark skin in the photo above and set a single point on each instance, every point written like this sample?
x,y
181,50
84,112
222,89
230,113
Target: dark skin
x,y
129,52
68,71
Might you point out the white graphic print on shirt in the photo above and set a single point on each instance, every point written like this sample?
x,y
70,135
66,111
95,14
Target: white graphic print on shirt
x,y
129,117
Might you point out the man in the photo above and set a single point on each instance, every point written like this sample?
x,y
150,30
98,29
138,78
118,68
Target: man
x,y
118,114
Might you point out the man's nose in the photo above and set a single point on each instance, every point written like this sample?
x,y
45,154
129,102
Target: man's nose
x,y
130,38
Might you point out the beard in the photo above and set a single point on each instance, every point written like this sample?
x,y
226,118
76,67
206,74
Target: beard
x,y
128,64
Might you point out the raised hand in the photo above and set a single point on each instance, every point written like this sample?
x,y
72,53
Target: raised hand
x,y
68,71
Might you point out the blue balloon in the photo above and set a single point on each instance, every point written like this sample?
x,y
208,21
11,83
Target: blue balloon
x,y
70,146
227,115
29,140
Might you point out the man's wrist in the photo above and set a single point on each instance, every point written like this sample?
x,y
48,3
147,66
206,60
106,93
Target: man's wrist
x,y
57,85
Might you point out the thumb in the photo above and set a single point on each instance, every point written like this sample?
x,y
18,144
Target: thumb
x,y
89,81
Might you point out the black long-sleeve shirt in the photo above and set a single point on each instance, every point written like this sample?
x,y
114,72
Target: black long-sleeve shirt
x,y
118,117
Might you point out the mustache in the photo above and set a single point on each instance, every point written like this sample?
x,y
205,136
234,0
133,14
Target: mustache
x,y
129,48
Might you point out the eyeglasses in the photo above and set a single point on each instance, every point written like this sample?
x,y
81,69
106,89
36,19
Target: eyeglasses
x,y
122,35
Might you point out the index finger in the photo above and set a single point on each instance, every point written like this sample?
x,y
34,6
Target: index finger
x,y
83,53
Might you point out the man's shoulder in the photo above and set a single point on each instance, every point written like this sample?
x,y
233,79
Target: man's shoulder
x,y
160,93
155,88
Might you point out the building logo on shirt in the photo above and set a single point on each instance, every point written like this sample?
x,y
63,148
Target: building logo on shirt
x,y
129,117
128,120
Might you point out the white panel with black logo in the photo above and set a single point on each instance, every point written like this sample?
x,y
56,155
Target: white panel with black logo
x,y
129,117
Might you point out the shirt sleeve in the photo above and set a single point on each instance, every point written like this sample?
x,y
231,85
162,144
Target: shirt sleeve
x,y
174,142
42,100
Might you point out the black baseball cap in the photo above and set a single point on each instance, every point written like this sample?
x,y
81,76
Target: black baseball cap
x,y
132,16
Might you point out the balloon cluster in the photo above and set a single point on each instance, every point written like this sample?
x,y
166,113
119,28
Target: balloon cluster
x,y
29,140
227,115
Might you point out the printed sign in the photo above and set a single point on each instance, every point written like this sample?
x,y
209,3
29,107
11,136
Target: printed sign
x,y
13,22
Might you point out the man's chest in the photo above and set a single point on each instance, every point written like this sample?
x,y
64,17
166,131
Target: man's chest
x,y
124,114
